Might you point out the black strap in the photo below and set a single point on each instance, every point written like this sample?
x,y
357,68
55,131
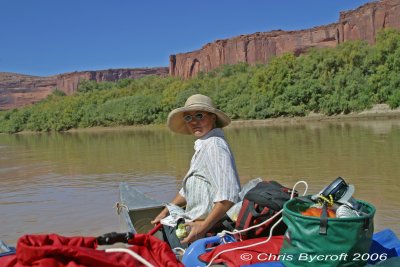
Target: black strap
x,y
257,214
228,224
366,224
112,238
269,194
323,224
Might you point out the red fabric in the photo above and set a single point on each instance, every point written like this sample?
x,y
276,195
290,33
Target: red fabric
x,y
260,253
8,261
57,251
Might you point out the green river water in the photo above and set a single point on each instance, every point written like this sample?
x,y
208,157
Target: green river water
x,y
67,183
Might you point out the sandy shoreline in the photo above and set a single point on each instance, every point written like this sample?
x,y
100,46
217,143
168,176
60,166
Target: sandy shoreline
x,y
378,112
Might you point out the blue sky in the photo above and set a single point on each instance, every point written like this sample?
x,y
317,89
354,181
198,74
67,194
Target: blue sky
x,y
48,37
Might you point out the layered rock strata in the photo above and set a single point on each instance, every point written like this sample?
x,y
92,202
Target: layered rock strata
x,y
68,82
18,90
363,23
360,24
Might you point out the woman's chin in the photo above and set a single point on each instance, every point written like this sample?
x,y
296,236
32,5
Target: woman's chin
x,y
198,133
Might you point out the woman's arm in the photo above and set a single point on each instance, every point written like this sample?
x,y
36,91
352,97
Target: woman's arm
x,y
179,200
200,228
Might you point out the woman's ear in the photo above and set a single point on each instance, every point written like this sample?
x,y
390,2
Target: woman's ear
x,y
214,120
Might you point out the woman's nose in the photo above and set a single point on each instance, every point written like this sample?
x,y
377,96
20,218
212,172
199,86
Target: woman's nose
x,y
193,121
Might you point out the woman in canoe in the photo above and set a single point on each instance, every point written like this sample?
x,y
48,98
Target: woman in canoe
x,y
211,186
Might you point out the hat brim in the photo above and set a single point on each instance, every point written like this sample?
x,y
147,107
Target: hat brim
x,y
176,123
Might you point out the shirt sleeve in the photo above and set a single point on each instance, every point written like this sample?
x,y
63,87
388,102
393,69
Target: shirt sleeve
x,y
222,171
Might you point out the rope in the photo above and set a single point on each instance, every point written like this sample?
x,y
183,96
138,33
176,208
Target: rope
x,y
175,250
133,254
330,201
258,225
119,206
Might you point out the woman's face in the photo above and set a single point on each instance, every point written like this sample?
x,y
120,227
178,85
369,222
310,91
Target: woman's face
x,y
199,123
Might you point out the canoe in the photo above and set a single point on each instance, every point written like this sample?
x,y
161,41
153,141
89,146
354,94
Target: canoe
x,y
137,210
5,249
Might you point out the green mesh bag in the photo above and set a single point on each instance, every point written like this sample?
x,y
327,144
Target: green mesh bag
x,y
344,242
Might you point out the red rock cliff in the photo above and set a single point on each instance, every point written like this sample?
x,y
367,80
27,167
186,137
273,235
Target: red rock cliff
x,y
68,82
18,90
362,23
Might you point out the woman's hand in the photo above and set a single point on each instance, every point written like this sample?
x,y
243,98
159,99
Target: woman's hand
x,y
160,216
198,229
178,200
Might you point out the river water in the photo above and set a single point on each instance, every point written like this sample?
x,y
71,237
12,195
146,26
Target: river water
x,y
67,183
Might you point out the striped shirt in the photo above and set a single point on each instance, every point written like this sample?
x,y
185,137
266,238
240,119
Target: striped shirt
x,y
212,176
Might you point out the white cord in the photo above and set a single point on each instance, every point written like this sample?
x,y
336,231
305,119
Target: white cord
x,y
133,254
175,250
258,225
249,228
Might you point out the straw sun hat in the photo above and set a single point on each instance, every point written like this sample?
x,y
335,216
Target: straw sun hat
x,y
197,102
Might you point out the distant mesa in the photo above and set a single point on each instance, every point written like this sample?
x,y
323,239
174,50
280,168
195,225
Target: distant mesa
x,y
363,23
18,90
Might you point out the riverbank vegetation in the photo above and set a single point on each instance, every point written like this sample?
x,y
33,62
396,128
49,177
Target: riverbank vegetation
x,y
349,78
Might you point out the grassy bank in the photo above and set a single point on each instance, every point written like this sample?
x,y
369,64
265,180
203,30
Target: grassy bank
x,y
349,78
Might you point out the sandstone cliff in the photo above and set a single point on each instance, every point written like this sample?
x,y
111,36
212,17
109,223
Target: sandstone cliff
x,y
362,23
68,82
18,90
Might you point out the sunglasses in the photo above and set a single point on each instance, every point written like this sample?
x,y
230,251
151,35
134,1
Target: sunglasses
x,y
198,117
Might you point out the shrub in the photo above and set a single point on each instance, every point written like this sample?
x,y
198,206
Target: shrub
x,y
348,78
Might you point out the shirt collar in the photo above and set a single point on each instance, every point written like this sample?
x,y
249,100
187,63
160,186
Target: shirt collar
x,y
216,132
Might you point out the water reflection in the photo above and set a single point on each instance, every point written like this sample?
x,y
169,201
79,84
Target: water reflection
x,y
68,182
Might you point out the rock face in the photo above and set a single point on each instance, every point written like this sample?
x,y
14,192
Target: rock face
x,y
360,24
68,82
364,22
18,90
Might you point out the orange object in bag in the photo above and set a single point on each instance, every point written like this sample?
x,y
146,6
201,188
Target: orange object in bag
x,y
316,212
